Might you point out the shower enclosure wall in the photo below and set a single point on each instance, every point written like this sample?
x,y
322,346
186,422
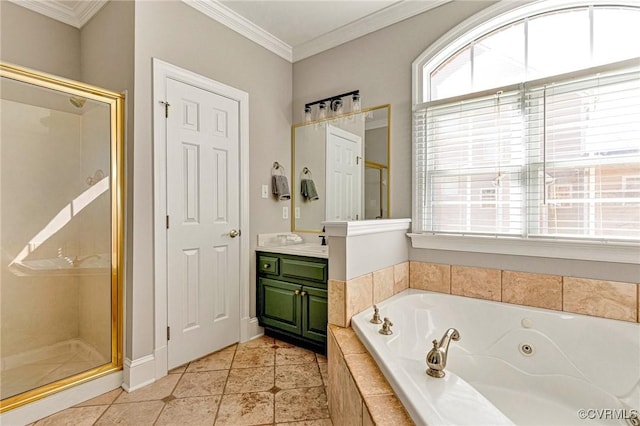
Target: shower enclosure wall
x,y
61,233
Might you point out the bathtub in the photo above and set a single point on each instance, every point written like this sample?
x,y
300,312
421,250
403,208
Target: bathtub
x,y
512,364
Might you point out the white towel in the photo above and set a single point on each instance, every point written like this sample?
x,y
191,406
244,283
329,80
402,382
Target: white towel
x,y
280,187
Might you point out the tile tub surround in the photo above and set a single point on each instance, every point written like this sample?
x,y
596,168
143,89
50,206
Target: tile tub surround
x,y
605,299
263,381
347,298
358,393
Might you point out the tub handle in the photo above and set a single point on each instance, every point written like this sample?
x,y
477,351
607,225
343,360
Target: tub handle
x,y
386,327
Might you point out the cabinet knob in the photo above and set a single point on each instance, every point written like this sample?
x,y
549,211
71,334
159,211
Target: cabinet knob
x,y
266,266
297,292
303,294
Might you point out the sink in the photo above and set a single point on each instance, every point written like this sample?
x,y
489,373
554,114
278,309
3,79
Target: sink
x,y
304,249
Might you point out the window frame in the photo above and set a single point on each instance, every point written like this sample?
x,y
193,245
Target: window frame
x,y
480,24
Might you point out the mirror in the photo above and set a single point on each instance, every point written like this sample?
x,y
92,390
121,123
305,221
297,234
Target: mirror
x,y
341,169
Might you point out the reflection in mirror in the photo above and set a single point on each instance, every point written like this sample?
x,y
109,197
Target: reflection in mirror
x,y
341,169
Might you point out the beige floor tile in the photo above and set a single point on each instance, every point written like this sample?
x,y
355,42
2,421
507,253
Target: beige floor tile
x,y
220,360
75,416
133,413
200,410
201,384
324,372
153,392
104,399
179,370
250,358
282,344
245,380
258,342
246,409
298,376
294,405
320,422
294,355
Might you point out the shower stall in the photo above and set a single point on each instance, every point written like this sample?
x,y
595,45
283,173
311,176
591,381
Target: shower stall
x,y
61,234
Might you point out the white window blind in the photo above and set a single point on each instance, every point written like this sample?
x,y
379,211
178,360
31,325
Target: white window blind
x,y
543,160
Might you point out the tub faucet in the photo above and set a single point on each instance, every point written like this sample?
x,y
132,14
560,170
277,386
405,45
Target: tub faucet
x,y
437,357
386,327
376,316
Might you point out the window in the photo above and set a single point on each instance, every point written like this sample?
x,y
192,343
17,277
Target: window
x,y
528,127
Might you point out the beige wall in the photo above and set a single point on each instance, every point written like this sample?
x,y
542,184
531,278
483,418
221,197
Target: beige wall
x,y
180,35
34,41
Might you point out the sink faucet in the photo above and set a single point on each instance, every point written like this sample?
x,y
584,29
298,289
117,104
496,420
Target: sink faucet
x,y
324,238
437,357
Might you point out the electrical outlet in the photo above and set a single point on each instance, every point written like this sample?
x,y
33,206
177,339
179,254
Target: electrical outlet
x,y
297,212
285,212
265,191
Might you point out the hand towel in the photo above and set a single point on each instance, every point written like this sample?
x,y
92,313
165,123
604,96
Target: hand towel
x,y
280,187
308,189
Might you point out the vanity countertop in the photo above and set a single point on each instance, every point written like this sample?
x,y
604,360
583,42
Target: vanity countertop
x,y
290,243
305,249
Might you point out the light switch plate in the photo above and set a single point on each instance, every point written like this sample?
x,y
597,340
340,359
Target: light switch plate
x,y
297,212
285,212
265,191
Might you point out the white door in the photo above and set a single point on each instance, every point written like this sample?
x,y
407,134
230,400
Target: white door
x,y
203,209
345,165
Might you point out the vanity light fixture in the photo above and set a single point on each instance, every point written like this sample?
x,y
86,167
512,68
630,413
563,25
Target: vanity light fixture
x,y
336,105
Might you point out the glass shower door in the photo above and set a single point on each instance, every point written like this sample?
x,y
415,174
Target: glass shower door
x,y
60,235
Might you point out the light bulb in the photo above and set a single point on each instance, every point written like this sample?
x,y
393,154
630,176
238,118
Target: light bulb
x,y
307,114
355,103
322,111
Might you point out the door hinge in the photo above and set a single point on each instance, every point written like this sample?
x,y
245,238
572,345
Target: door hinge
x,y
166,108
167,221
168,333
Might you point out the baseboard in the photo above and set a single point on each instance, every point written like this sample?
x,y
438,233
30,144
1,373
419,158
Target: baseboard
x,y
61,400
161,356
249,329
139,372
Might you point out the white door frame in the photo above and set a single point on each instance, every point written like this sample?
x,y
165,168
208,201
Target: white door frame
x,y
161,72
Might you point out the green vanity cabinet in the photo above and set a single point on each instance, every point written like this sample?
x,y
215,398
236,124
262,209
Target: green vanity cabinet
x,y
292,298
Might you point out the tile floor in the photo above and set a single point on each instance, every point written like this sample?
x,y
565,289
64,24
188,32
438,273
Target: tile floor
x,y
261,382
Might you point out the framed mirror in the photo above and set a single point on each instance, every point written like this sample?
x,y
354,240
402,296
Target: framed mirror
x,y
341,169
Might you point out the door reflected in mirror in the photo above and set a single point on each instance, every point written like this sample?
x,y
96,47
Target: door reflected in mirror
x,y
341,169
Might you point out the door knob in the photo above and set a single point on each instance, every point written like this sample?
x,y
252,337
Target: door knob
x,y
234,233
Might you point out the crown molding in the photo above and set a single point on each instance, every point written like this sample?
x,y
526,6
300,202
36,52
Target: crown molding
x,y
85,10
76,16
219,12
390,15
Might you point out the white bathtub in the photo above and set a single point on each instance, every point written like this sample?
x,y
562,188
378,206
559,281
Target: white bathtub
x,y
578,362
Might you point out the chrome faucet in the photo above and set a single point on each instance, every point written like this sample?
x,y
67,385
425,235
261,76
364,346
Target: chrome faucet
x,y
437,357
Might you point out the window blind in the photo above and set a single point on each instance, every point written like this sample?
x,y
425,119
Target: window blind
x,y
545,160
584,157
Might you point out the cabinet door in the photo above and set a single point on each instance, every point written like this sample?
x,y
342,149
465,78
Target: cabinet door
x,y
279,305
314,311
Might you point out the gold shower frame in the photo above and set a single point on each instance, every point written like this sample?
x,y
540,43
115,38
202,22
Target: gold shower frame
x,y
116,108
